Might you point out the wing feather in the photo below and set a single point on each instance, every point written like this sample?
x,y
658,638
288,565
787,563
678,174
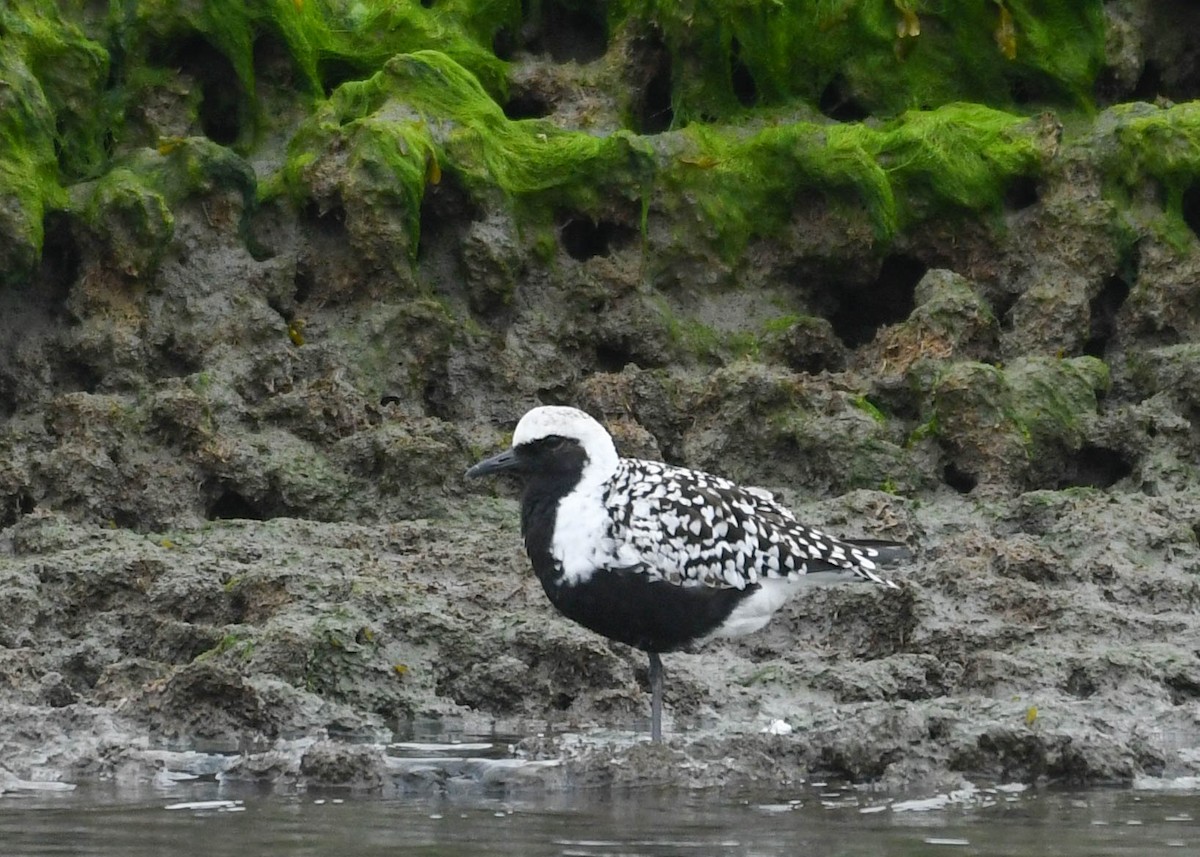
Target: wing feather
x,y
693,528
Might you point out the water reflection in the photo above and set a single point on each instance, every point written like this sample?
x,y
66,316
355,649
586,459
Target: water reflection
x,y
821,819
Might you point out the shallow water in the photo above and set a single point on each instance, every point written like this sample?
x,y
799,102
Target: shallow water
x,y
213,818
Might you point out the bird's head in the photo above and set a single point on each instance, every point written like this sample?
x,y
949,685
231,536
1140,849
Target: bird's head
x,y
555,442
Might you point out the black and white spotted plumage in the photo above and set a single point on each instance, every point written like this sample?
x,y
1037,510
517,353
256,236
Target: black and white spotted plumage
x,y
690,527
659,556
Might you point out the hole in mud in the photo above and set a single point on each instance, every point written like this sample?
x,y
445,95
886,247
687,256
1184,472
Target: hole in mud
x,y
232,505
80,377
1103,311
889,299
81,670
439,401
527,105
562,701
446,212
273,62
1172,66
1191,208
334,71
959,480
1080,684
1002,306
16,506
744,87
1149,82
1021,193
1095,467
838,104
584,238
1108,88
1029,91
327,221
652,109
389,399
1184,689
900,403
221,96
178,359
61,260
612,357
128,519
302,283
504,44
570,34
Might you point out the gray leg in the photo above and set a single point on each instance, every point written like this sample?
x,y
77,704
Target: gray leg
x,y
656,693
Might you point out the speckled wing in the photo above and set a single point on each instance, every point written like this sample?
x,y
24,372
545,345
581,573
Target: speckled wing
x,y
689,527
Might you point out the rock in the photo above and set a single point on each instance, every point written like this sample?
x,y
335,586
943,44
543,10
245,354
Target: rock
x,y
950,322
1011,426
327,763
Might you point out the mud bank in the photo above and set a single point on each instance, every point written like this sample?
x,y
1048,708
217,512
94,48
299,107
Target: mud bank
x,y
270,281
1017,650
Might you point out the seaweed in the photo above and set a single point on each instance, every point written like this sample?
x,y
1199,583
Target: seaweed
x,y
1159,145
879,57
960,157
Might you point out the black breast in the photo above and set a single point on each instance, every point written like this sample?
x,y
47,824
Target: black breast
x,y
627,606
622,604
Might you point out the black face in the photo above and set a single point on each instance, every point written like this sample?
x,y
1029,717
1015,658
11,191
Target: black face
x,y
550,468
553,457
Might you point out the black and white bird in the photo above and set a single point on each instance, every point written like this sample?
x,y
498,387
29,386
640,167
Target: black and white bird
x,y
658,556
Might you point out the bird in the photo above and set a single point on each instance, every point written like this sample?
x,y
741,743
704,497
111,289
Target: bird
x,y
659,556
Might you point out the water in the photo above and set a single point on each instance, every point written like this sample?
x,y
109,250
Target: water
x,y
190,809
104,821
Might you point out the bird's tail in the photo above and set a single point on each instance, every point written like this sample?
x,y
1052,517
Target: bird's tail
x,y
885,552
878,553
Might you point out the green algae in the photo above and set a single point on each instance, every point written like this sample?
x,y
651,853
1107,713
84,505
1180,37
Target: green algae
x,y
869,408
402,96
705,342
693,339
390,136
958,158
923,153
71,70
1154,144
978,392
66,94
130,207
132,217
28,170
47,68
327,42
879,56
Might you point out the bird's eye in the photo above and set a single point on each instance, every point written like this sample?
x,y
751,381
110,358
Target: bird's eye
x,y
554,443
